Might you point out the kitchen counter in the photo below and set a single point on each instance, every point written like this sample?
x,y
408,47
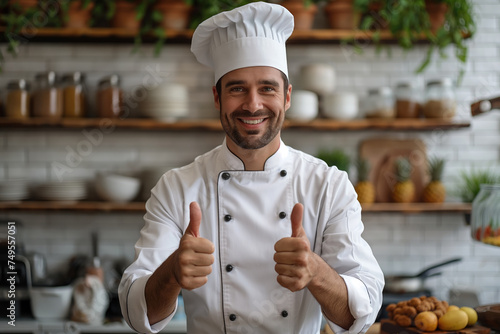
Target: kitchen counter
x,y
70,327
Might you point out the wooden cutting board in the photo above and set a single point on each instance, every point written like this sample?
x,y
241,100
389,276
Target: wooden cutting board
x,y
382,153
390,327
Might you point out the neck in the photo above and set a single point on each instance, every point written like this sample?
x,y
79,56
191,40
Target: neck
x,y
254,160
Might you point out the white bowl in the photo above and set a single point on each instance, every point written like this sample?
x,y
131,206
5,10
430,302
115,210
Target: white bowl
x,y
304,105
342,106
51,303
117,188
319,78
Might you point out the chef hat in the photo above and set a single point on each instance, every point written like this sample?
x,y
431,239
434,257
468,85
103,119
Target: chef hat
x,y
250,35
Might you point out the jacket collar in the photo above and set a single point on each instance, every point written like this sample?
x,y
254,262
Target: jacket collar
x,y
232,162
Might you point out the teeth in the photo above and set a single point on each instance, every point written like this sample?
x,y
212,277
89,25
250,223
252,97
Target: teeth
x,y
253,121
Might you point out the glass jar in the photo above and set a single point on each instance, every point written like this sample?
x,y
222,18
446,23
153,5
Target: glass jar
x,y
485,223
440,100
379,103
109,97
18,99
74,95
47,96
407,101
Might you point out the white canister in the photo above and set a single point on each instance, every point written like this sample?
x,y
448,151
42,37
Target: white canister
x,y
318,78
303,106
342,106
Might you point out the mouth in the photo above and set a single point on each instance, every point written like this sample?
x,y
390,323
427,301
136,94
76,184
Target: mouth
x,y
252,121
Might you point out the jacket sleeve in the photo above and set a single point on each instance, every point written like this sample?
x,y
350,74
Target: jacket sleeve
x,y
159,238
345,250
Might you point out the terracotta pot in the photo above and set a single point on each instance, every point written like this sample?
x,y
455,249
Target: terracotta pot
x,y
78,17
125,16
176,14
437,14
303,15
341,14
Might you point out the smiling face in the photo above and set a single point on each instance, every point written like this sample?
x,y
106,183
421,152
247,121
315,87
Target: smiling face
x,y
252,105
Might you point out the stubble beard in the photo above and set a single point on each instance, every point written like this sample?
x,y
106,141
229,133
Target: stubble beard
x,y
250,140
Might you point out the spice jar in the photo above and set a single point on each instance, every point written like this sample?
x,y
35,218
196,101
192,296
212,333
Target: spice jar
x,y
440,99
18,99
74,95
109,97
406,101
47,96
379,103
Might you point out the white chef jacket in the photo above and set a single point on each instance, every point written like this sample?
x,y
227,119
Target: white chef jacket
x,y
244,213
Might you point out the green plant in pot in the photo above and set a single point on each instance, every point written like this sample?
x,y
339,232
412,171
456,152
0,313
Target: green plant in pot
x,y
203,9
410,20
469,184
335,157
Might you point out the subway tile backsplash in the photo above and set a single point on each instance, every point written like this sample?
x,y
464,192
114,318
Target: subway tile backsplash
x,y
402,243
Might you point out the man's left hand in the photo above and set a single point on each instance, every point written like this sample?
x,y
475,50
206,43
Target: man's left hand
x,y
295,262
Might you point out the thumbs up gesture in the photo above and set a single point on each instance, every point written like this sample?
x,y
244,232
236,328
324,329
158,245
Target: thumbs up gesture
x,y
194,257
295,262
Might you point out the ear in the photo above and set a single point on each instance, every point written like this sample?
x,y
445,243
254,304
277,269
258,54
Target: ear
x,y
288,97
216,98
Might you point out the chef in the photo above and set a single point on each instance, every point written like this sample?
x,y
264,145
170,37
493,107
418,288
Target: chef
x,y
258,237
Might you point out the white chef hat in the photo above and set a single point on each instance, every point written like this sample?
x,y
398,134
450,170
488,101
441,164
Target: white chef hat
x,y
250,35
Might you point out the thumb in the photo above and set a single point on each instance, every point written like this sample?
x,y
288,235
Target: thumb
x,y
194,220
296,218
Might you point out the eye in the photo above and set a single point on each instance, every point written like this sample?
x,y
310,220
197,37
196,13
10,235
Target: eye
x,y
236,89
268,89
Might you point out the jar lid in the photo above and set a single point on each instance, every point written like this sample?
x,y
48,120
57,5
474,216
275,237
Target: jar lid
x,y
18,84
445,82
113,80
380,91
76,77
49,77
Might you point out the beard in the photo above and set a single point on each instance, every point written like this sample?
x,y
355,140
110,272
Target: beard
x,y
251,139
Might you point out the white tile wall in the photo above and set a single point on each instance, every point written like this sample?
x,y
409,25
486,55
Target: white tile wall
x,y
402,243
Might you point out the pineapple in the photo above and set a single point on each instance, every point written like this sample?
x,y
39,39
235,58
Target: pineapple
x,y
404,189
435,191
364,188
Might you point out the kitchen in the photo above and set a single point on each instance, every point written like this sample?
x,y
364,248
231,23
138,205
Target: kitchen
x,y
403,242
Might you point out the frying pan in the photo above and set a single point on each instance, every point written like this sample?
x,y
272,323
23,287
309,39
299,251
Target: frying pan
x,y
483,106
414,283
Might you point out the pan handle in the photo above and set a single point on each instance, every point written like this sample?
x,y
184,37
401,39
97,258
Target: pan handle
x,y
426,271
482,106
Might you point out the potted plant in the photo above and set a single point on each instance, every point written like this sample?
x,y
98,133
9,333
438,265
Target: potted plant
x,y
303,12
335,157
343,14
77,13
203,9
127,14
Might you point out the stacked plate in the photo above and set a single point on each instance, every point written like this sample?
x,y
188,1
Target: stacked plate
x,y
62,191
13,190
167,102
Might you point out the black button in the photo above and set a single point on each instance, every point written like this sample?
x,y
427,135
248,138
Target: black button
x,y
284,314
232,317
283,173
229,268
226,176
282,215
227,218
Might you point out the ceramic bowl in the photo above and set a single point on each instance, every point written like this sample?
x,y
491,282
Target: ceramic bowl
x,y
342,106
318,78
51,303
489,316
117,188
304,105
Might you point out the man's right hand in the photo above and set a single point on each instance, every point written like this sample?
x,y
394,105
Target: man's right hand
x,y
194,257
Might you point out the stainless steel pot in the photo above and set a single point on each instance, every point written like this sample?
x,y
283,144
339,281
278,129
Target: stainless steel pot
x,y
414,283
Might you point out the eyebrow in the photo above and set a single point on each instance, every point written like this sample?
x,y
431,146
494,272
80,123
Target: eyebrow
x,y
273,83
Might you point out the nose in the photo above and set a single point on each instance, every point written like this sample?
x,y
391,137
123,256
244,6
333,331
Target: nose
x,y
253,101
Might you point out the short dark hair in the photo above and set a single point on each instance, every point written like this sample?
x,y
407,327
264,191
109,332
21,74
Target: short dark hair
x,y
218,85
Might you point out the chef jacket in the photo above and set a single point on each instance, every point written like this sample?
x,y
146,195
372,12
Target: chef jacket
x,y
244,213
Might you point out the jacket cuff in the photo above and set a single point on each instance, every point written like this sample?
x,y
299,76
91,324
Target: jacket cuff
x,y
359,306
137,317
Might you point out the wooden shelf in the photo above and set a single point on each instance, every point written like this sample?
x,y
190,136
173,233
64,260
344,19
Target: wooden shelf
x,y
95,206
214,124
298,36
